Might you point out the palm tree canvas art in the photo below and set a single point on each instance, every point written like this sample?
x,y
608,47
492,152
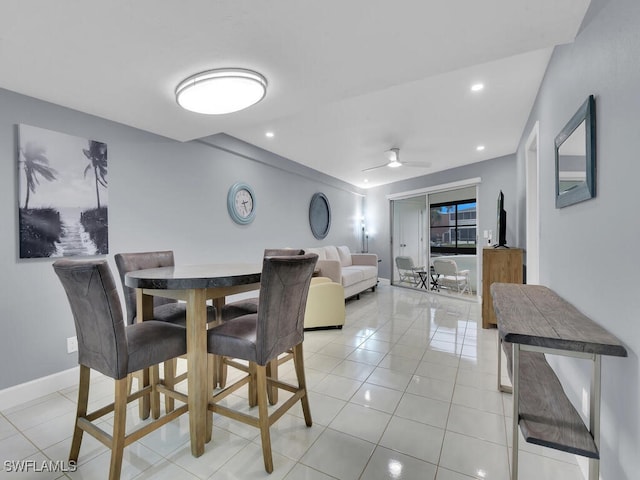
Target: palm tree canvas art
x,y
63,194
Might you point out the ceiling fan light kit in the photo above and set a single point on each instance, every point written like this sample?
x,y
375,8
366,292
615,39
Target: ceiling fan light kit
x,y
393,155
220,91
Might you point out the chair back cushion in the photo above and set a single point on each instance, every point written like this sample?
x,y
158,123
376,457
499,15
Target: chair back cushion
x,y
130,262
97,314
282,252
284,286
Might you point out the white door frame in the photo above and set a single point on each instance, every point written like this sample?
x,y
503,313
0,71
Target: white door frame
x,y
532,180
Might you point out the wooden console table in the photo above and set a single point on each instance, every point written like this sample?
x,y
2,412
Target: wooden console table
x,y
532,321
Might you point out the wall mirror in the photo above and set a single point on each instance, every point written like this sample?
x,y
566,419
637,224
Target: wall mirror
x,y
576,157
319,215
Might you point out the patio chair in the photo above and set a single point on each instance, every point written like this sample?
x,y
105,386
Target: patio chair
x,y
408,271
450,277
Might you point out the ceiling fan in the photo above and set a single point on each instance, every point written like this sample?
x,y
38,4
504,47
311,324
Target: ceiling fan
x,y
394,161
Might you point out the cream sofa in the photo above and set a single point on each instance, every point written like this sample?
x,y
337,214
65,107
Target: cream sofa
x,y
354,271
325,304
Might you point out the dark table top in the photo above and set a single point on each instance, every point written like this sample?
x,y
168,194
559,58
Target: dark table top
x,y
182,277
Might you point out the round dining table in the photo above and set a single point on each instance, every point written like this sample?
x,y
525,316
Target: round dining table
x,y
195,285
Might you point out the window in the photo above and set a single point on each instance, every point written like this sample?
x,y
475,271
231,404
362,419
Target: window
x,y
453,228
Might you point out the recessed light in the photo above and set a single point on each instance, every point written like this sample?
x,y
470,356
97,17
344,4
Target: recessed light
x,y
476,87
480,148
366,180
269,134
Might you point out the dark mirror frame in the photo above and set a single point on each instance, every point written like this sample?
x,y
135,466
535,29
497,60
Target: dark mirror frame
x,y
319,215
587,114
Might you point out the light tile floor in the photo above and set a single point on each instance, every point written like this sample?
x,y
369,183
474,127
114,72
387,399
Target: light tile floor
x,y
406,390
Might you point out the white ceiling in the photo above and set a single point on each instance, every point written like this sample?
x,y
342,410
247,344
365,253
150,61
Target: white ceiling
x,y
347,79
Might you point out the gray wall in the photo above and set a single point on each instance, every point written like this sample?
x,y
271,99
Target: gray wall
x,y
497,174
162,195
583,248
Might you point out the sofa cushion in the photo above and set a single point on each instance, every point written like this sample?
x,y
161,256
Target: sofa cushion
x,y
331,253
345,256
366,271
317,251
351,276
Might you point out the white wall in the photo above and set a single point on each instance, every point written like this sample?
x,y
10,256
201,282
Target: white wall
x,y
162,195
588,251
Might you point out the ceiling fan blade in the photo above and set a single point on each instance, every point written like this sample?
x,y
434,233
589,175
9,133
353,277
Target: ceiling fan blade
x,y
418,165
375,168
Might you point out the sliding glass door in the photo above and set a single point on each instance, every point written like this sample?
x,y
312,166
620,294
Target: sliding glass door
x,y
437,221
409,231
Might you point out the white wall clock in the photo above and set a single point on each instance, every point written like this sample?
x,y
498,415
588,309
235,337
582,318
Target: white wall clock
x,y
241,203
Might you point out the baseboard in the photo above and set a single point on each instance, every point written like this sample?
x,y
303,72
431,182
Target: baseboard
x,y
25,392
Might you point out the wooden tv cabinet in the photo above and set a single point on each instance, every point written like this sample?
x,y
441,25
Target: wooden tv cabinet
x,y
499,265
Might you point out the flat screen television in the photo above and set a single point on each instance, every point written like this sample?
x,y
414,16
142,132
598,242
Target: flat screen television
x,y
501,227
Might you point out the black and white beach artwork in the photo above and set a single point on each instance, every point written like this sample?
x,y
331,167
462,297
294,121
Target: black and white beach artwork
x,y
62,194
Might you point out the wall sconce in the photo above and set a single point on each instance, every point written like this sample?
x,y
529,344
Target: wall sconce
x,y
365,237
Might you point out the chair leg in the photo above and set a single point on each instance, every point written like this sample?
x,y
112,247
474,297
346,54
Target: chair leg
x,y
298,361
143,404
81,412
170,383
263,416
272,372
221,372
119,426
253,390
211,385
154,376
145,400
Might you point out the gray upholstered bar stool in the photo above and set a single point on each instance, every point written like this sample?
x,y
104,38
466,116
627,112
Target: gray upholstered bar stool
x,y
250,305
259,338
107,345
164,309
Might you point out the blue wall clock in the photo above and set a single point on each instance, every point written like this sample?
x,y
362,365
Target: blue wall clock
x,y
241,203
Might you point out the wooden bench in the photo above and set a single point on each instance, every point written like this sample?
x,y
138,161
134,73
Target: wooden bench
x,y
532,321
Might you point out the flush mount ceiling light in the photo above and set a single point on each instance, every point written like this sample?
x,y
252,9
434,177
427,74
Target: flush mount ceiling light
x,y
220,91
